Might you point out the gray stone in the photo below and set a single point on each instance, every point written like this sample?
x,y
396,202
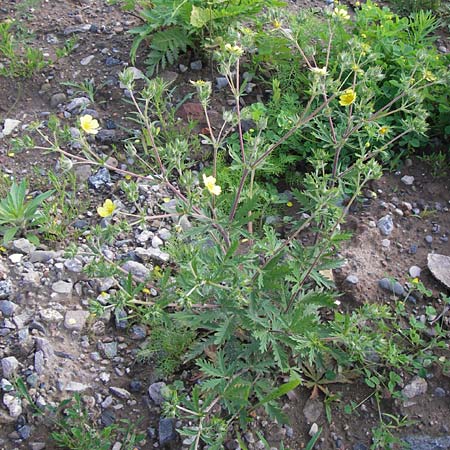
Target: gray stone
x,y
417,386
429,239
77,105
100,179
157,242
74,386
392,286
167,432
415,271
313,410
137,269
43,256
107,417
63,287
138,332
23,245
428,442
5,385
352,279
106,136
5,288
13,404
39,362
439,266
87,60
147,254
24,431
50,315
9,367
15,258
76,320
44,345
37,445
109,349
155,392
119,392
407,180
7,308
75,29
221,82
196,65
73,265
164,234
9,126
386,225
440,392
57,99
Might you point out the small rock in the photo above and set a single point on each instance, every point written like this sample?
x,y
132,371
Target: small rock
x,y
196,65
76,320
147,254
15,258
63,287
23,245
77,105
107,417
137,269
417,386
138,332
386,225
352,279
109,349
155,392
74,386
9,367
415,271
221,82
157,242
135,386
9,126
50,315
412,249
167,432
39,362
314,429
24,432
87,60
386,243
439,266
100,179
7,308
73,265
110,61
120,392
5,289
57,99
313,410
407,180
13,404
429,239
43,256
106,136
392,286
164,234
37,445
439,392
77,29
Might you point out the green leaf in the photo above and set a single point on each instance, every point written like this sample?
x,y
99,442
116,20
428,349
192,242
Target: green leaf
x,y
9,233
280,391
199,17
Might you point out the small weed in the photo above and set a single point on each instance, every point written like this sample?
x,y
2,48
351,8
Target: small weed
x,y
18,213
437,161
86,87
69,46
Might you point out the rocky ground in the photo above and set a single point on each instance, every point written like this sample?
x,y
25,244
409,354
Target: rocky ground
x,y
48,336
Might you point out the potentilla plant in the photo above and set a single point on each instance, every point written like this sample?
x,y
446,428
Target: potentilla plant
x,y
254,296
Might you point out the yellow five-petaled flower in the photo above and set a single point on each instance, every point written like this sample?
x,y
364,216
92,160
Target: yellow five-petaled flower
x,y
107,208
348,97
341,13
210,184
89,124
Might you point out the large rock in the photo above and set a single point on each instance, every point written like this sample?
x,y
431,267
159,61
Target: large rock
x,y
428,442
439,266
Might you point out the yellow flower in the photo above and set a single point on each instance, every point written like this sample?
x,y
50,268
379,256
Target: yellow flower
x,y
341,14
383,130
276,24
89,124
415,280
289,204
198,83
364,35
234,49
146,291
210,184
429,76
107,209
348,97
357,4
319,71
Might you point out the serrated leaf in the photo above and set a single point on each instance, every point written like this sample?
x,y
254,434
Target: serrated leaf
x,y
199,17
